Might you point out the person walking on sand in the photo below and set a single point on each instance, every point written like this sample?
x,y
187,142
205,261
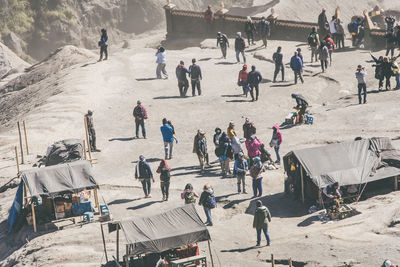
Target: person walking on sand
x,y
362,85
256,173
263,30
223,42
330,44
145,175
313,42
278,60
103,44
189,195
240,45
241,167
195,77
261,219
200,148
248,129
254,78
168,138
249,29
161,63
276,142
300,55
183,83
140,114
323,56
165,176
91,131
207,200
297,66
242,79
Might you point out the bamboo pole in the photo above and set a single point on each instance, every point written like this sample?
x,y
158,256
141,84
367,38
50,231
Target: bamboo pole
x,y
26,138
302,184
127,257
211,256
16,159
396,182
118,242
84,150
96,199
20,143
33,216
104,241
87,139
272,260
25,195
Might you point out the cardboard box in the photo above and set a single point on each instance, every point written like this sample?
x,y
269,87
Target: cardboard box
x,y
60,207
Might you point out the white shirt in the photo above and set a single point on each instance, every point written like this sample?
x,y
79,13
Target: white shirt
x,y
332,26
160,57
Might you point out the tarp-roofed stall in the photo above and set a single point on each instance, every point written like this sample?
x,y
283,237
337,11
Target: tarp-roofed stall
x,y
51,182
158,233
349,163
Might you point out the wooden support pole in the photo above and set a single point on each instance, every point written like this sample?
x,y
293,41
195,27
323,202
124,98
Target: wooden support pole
x,y
272,260
26,138
84,149
96,199
290,262
104,241
211,256
16,159
118,242
20,143
396,183
87,139
127,257
302,184
24,194
33,216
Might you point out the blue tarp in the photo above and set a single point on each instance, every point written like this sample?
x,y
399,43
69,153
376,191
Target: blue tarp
x,y
15,208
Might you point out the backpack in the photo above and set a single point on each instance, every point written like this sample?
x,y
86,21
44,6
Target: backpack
x,y
242,43
329,45
190,198
165,174
211,202
312,39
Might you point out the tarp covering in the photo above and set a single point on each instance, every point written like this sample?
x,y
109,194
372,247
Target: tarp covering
x,y
63,178
349,163
64,151
172,229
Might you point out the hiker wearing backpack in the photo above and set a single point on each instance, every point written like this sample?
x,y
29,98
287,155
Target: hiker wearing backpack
x,y
277,57
264,30
262,217
140,114
249,29
165,176
183,83
240,45
313,42
189,195
144,174
168,138
103,43
195,77
256,173
200,148
331,47
241,167
254,78
323,56
222,41
207,200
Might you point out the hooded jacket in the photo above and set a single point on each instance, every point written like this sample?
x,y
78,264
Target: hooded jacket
x,y
163,167
277,135
253,147
181,72
204,196
143,170
262,217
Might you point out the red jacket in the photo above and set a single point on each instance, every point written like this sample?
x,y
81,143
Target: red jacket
x,y
329,39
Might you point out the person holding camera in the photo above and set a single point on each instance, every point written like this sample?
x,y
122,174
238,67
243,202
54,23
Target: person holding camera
x,y
103,44
362,85
161,64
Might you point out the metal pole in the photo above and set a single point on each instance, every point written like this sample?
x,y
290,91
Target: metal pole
x,y
26,138
211,256
127,257
118,242
20,143
104,241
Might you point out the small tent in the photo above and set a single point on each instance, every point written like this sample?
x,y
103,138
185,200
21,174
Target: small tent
x,y
68,178
349,163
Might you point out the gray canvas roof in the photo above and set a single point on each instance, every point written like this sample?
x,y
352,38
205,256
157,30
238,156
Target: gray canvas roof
x,y
63,178
172,229
348,163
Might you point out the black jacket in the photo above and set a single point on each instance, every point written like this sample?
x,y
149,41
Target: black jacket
x,y
254,77
195,72
143,170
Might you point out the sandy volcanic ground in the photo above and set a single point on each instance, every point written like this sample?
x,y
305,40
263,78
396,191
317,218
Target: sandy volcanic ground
x,y
111,89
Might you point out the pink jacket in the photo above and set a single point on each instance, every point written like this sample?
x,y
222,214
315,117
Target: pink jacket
x,y
277,135
253,147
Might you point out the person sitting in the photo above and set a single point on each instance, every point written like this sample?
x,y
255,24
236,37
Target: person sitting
x,y
302,105
330,193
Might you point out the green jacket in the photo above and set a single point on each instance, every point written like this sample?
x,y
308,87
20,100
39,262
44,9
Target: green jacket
x,y
261,218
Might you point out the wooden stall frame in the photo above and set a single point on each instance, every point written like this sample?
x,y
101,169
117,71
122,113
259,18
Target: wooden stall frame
x,y
20,143
33,216
104,241
302,183
84,149
16,158
118,243
272,260
87,139
26,138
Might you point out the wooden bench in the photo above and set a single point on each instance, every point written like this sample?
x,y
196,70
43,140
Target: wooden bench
x,y
189,261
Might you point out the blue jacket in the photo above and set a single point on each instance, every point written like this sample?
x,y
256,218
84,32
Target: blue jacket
x,y
254,77
143,170
104,40
242,168
167,133
296,63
